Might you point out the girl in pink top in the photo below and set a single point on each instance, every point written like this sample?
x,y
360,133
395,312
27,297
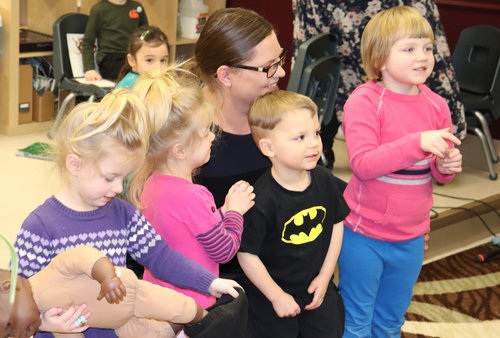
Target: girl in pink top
x,y
182,212
398,137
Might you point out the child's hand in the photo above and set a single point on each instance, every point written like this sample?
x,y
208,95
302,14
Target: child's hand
x,y
61,320
92,75
113,290
285,306
451,163
435,142
317,287
221,286
240,198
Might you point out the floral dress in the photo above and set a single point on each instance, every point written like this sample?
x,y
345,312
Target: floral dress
x,y
347,20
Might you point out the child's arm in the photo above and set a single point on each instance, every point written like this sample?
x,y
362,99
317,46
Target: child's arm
x,y
320,283
447,160
222,240
283,303
58,319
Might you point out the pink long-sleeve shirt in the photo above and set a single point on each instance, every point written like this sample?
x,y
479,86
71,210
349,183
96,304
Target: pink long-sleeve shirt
x,y
184,214
390,192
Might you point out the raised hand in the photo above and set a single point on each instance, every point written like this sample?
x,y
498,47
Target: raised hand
x,y
437,142
240,197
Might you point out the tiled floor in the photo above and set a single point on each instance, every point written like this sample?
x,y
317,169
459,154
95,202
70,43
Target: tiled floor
x,y
25,183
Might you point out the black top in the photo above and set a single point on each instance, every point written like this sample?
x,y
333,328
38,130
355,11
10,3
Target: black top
x,y
290,231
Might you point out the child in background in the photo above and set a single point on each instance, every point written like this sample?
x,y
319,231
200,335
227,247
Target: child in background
x,y
398,136
98,145
111,22
182,212
132,307
293,235
147,49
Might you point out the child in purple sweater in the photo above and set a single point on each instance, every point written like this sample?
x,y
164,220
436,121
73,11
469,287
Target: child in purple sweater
x,y
98,146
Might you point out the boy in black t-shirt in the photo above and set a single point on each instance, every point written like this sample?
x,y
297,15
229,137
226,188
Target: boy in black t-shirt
x,y
293,235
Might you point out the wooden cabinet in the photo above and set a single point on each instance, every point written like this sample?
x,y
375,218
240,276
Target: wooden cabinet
x,y
39,15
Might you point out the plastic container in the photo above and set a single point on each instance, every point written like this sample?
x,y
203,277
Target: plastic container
x,y
192,17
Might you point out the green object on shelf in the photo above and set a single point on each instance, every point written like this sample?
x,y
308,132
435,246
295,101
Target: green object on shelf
x,y
38,150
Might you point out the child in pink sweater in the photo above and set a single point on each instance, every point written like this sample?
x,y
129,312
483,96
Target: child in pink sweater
x,y
182,212
399,138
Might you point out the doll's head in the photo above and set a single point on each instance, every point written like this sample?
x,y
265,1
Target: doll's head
x,y
20,319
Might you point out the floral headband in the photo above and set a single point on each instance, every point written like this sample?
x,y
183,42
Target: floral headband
x,y
14,266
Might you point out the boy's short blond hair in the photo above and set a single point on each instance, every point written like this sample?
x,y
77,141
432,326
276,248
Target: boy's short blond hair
x,y
268,110
384,29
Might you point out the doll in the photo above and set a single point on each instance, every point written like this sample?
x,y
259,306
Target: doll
x,y
84,275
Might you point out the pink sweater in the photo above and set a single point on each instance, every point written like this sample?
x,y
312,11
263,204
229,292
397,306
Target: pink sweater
x,y
390,193
184,214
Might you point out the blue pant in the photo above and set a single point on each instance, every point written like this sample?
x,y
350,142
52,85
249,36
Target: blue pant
x,y
376,283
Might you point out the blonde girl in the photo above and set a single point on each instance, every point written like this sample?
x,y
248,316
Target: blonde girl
x,y
399,140
182,212
97,147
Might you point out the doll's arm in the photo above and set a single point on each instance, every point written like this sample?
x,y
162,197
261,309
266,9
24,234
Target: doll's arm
x,y
112,287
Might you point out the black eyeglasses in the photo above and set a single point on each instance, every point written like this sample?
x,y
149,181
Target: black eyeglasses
x,y
271,69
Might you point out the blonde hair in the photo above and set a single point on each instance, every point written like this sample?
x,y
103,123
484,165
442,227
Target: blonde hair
x,y
94,130
178,112
268,110
382,32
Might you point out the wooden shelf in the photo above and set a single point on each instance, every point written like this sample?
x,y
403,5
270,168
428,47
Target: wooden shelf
x,y
17,14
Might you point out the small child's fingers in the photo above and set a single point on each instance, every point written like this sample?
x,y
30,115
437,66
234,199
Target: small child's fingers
x,y
450,137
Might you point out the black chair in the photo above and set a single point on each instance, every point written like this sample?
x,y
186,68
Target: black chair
x,y
323,44
476,60
71,23
316,73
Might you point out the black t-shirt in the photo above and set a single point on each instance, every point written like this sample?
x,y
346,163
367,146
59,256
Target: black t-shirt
x,y
291,231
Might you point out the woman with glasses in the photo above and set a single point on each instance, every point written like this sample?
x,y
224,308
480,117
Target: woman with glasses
x,y
239,58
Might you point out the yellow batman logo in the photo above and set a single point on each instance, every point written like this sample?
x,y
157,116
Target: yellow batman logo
x,y
305,226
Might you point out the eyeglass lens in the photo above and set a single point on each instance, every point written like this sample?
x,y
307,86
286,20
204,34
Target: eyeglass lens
x,y
274,67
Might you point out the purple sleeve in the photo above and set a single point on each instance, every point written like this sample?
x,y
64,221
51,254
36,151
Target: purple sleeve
x,y
150,250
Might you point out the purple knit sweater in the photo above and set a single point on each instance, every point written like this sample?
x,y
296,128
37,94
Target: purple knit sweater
x,y
115,229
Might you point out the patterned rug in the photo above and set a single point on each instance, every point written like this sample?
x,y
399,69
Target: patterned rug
x,y
457,297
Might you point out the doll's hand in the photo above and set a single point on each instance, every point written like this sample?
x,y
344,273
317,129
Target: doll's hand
x,y
239,198
61,320
221,286
113,290
436,142
92,75
285,305
451,163
318,287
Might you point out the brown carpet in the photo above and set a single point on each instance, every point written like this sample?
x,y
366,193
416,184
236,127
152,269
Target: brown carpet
x,y
454,293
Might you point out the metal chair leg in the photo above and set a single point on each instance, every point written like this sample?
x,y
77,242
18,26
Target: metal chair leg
x,y
486,131
486,150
